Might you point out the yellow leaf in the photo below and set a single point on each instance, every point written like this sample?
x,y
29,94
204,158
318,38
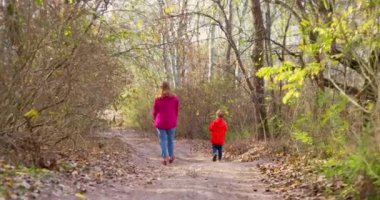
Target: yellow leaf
x,y
305,23
370,106
67,33
289,95
80,196
169,9
139,24
156,37
32,114
113,18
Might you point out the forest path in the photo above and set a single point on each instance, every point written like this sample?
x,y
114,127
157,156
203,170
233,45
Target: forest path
x,y
192,176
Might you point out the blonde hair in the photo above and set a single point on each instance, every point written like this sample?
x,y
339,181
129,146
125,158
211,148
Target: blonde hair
x,y
220,113
164,90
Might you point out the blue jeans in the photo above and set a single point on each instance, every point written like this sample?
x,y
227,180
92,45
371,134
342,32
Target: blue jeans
x,y
166,142
217,150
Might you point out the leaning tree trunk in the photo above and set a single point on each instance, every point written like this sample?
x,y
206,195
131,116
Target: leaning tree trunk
x,y
229,22
258,59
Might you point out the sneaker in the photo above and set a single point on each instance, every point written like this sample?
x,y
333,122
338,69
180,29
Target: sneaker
x,y
171,159
214,158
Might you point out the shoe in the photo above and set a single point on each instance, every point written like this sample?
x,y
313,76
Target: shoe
x,y
214,158
171,159
164,162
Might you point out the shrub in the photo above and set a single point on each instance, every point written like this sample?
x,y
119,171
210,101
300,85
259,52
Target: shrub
x,y
56,76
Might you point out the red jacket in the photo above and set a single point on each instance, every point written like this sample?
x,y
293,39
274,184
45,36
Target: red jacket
x,y
218,129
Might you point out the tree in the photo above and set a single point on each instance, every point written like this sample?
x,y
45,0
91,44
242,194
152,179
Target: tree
x,y
258,62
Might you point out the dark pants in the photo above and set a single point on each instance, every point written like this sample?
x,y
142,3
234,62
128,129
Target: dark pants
x,y
217,150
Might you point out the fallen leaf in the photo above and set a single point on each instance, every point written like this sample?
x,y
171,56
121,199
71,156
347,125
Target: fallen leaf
x,y
80,196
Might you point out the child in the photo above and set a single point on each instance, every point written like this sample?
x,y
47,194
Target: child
x,y
218,129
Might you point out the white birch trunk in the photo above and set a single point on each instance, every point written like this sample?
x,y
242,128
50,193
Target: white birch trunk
x,y
211,53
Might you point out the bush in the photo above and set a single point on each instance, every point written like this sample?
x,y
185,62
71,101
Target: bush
x,y
359,170
56,76
326,125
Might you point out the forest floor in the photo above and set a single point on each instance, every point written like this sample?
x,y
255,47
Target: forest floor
x,y
126,164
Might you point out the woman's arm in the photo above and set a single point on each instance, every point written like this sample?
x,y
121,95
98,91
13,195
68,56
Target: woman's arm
x,y
155,109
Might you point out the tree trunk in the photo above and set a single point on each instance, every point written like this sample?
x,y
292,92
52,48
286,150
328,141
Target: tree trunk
x,y
181,43
268,57
255,84
258,59
164,42
241,18
211,52
229,31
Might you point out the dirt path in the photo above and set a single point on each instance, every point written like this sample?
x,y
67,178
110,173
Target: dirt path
x,y
192,176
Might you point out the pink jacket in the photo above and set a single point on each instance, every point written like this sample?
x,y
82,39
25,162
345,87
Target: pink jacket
x,y
165,112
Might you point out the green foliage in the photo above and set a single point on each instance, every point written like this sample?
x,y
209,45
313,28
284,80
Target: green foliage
x,y
357,169
35,171
137,100
304,137
243,134
292,75
39,2
3,192
332,116
318,123
276,125
20,170
137,107
326,131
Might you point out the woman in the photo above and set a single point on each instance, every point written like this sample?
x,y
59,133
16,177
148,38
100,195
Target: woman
x,y
165,114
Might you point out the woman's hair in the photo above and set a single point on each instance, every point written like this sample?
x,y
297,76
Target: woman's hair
x,y
164,90
220,113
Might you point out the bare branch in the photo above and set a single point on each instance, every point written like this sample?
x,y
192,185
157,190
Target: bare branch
x,y
347,96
